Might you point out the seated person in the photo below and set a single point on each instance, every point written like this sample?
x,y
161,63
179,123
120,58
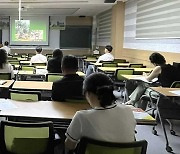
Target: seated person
x,y
165,73
38,58
5,67
54,64
106,121
105,57
6,47
70,86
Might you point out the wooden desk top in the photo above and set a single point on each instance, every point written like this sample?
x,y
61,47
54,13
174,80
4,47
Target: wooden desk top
x,y
25,62
113,69
80,73
165,91
119,64
44,109
7,84
90,60
32,85
58,110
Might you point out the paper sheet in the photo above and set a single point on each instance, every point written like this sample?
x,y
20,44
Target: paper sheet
x,y
6,104
142,115
142,78
177,92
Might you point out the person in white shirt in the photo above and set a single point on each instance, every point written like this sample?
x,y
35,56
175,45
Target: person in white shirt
x,y
105,57
106,121
38,58
6,47
5,67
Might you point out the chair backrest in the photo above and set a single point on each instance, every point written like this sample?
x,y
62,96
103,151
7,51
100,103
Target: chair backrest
x,y
20,95
135,65
175,84
14,62
27,68
120,72
91,146
120,60
39,64
5,76
109,64
23,138
51,77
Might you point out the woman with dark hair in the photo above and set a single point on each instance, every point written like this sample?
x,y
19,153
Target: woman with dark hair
x,y
106,121
54,64
4,66
165,73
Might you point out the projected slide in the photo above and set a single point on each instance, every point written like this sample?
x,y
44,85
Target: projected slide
x,y
29,31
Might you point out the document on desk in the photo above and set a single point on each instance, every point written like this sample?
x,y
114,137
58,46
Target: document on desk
x,y
143,78
6,104
177,92
141,116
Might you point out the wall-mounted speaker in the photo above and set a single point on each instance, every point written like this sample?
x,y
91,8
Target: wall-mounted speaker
x,y
109,1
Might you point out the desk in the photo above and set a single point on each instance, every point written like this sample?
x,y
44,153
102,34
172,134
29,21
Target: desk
x,y
7,84
167,109
119,64
113,69
166,91
44,110
32,85
54,111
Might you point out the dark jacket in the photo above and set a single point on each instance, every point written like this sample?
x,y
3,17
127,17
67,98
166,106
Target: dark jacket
x,y
69,87
54,65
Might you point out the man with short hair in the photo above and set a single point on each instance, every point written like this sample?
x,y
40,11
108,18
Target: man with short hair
x,y
107,56
38,58
70,86
6,47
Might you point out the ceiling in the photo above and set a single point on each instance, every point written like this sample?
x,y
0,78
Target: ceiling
x,y
54,7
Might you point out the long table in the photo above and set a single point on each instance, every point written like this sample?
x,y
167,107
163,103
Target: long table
x,y
57,111
32,85
113,69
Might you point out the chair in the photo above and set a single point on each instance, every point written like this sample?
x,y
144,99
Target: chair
x,y
20,95
5,76
14,62
135,65
23,138
120,80
109,64
51,77
120,60
27,68
39,64
92,146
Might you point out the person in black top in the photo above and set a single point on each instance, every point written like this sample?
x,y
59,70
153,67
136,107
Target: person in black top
x,y
70,86
54,64
165,73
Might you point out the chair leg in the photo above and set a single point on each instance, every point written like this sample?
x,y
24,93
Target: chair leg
x,y
168,148
171,127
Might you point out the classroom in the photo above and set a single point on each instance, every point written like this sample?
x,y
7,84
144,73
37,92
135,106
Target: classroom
x,y
60,59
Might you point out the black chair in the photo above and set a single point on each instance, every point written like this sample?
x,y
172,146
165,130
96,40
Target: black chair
x,y
92,146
